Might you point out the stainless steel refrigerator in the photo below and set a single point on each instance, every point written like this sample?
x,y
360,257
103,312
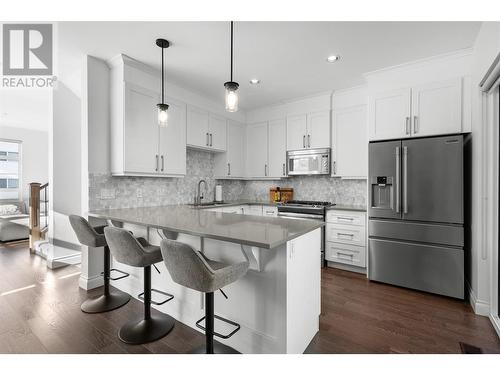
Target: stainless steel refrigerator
x,y
416,214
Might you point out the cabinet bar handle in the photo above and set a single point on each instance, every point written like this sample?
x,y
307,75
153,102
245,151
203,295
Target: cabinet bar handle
x,y
304,141
415,124
162,163
405,179
229,169
345,254
398,182
407,125
265,170
156,168
345,234
210,139
284,171
334,167
345,218
207,140
309,140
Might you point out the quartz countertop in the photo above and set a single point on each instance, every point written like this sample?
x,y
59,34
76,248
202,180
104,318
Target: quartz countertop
x,y
236,203
259,231
347,207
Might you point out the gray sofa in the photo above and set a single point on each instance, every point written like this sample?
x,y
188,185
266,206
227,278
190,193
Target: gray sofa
x,y
14,226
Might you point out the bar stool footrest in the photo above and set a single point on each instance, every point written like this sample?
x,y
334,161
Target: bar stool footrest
x,y
124,274
158,303
230,322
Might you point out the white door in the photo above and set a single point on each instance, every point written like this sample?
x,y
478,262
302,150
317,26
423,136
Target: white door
x,y
389,114
296,132
141,130
173,140
350,142
437,108
318,130
235,149
257,150
217,132
277,148
197,127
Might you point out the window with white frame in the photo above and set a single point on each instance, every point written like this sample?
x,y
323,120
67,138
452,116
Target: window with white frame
x,y
10,169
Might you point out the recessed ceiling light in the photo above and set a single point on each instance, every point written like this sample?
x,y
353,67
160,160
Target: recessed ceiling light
x,y
254,81
332,58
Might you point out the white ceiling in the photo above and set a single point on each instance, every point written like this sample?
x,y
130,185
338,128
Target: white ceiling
x,y
288,57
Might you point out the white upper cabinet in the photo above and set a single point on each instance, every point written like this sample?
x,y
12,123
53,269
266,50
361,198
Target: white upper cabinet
x,y
277,148
205,130
310,130
257,150
427,109
172,149
318,129
296,132
140,131
217,132
350,142
437,108
231,164
390,114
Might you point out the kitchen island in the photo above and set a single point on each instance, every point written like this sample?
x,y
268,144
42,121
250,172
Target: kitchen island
x,y
277,303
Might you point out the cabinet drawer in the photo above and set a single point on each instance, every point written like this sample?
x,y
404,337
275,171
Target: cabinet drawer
x,y
254,210
348,254
346,217
269,211
347,234
233,210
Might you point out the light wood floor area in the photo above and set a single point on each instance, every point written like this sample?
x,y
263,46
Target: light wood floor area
x,y
39,313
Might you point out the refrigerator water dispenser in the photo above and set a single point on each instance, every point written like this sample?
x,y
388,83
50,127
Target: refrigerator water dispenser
x,y
382,192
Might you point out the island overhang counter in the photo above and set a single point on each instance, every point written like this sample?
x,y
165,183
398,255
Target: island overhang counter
x,y
277,303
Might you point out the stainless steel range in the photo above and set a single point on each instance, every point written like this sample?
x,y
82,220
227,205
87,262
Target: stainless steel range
x,y
307,210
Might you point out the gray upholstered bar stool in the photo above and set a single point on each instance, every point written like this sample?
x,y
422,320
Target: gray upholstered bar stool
x,y
192,269
137,252
94,237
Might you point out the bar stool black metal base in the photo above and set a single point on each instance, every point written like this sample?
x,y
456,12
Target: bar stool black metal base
x,y
106,302
218,349
146,330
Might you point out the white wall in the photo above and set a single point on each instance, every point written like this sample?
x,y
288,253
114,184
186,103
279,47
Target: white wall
x,y
35,154
486,48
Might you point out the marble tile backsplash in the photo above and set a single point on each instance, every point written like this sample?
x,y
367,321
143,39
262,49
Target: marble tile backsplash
x,y
106,191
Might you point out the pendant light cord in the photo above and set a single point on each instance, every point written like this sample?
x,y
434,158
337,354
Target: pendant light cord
x,y
162,78
231,51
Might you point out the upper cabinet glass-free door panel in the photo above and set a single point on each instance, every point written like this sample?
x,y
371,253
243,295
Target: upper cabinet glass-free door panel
x,y
197,127
217,132
173,140
257,150
437,108
277,148
141,130
296,132
235,150
318,130
389,114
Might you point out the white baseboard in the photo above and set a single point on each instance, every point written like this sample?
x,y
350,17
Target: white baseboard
x,y
479,307
54,263
347,267
495,321
90,283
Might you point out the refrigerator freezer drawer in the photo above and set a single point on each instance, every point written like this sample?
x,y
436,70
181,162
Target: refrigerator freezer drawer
x,y
442,234
432,269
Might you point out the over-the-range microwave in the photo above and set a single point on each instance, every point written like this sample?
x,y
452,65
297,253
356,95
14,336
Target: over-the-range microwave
x,y
308,162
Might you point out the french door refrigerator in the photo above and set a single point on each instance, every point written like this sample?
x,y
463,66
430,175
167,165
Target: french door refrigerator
x,y
416,214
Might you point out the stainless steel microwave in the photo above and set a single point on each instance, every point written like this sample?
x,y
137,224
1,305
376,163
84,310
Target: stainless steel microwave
x,y
308,162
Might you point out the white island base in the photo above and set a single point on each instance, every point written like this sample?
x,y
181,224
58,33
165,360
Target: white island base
x,y
277,303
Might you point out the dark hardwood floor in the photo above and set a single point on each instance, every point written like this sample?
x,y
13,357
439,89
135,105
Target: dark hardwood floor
x,y
40,313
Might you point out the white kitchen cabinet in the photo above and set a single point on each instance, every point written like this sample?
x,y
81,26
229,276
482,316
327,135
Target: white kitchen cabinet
x,y
318,129
350,142
233,210
277,148
296,132
428,109
310,130
437,108
172,148
255,210
205,130
257,150
390,114
271,211
138,146
231,164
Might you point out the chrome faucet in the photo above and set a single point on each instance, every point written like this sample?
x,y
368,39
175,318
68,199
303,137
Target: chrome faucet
x,y
199,195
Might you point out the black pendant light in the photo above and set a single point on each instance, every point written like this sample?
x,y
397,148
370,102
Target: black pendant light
x,y
162,107
231,87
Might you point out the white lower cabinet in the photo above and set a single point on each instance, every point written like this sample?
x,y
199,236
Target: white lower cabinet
x,y
255,210
346,237
233,209
269,211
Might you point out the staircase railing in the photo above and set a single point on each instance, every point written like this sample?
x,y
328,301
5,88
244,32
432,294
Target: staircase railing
x,y
38,213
